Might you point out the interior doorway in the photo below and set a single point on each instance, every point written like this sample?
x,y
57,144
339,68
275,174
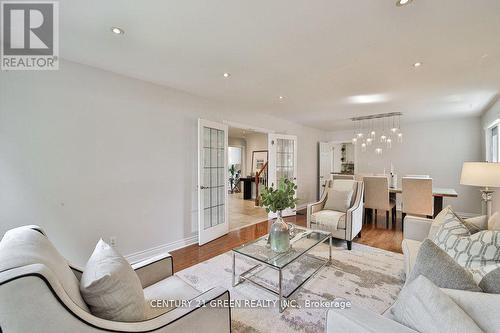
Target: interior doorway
x,y
247,175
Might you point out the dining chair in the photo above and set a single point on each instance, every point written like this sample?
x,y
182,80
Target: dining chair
x,y
359,176
417,197
334,176
377,197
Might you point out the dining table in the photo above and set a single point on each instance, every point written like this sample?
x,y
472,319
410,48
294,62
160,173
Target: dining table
x,y
438,193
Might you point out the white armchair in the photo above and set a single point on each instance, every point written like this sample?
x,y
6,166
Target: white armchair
x,y
33,299
347,225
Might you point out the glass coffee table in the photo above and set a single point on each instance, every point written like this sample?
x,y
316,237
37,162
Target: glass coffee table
x,y
294,267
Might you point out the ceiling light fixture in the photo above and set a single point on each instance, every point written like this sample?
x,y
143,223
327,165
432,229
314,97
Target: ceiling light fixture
x,y
401,3
367,99
417,64
281,98
388,134
117,31
226,75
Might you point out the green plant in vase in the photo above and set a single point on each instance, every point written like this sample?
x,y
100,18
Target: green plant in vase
x,y
276,200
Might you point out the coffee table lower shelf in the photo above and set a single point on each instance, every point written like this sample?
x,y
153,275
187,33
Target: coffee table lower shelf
x,y
282,291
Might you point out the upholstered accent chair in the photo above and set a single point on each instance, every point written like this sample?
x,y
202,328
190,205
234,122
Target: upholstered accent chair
x,y
377,197
36,297
344,225
417,197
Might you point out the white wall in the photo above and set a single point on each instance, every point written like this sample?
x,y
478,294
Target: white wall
x,y
488,118
87,153
436,148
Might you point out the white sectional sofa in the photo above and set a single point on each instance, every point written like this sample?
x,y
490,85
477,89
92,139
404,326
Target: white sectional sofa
x,y
483,308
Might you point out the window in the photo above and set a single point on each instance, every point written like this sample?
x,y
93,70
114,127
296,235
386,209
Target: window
x,y
493,144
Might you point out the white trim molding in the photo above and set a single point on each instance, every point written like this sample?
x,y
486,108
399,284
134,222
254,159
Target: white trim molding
x,y
487,140
165,248
160,249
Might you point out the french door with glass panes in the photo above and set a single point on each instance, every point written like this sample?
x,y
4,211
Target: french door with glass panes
x,y
212,181
325,156
282,162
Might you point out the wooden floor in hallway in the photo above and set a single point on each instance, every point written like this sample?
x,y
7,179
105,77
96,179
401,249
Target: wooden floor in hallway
x,y
373,234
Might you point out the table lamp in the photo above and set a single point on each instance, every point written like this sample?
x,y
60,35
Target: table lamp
x,y
482,174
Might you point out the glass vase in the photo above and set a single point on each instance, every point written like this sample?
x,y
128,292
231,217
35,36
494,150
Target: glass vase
x,y
279,235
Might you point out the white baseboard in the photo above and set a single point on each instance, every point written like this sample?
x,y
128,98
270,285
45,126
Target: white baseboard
x,y
302,206
154,251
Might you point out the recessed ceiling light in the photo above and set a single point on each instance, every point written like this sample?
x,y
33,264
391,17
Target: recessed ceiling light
x,y
366,99
281,98
226,75
401,3
117,31
417,64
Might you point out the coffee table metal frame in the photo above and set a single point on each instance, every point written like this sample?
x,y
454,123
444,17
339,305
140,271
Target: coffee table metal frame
x,y
238,279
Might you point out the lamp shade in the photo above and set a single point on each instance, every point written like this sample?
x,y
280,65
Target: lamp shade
x,y
481,174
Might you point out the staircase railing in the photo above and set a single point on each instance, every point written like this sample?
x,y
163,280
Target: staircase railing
x,y
260,179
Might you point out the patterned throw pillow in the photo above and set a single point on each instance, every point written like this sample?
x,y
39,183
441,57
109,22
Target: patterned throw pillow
x,y
479,252
446,215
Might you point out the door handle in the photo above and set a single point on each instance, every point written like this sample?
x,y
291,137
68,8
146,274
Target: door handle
x,y
203,187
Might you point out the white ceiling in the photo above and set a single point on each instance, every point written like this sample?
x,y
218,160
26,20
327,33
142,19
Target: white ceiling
x,y
315,53
243,133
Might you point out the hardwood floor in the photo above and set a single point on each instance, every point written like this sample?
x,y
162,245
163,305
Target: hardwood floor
x,y
372,234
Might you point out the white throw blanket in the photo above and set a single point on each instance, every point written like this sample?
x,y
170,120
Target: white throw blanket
x,y
330,218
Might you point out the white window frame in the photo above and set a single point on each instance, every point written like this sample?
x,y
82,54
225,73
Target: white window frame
x,y
488,138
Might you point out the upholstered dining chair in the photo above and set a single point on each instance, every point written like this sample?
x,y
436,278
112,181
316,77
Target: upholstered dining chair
x,y
377,197
345,219
418,176
334,176
417,197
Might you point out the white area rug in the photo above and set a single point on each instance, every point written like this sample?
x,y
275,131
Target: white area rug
x,y
366,276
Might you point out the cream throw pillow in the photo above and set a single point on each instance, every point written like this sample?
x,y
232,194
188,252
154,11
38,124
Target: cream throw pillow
x,y
494,222
482,223
423,307
110,286
338,200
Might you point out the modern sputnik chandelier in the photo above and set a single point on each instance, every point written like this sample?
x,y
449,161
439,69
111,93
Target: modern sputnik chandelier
x,y
379,131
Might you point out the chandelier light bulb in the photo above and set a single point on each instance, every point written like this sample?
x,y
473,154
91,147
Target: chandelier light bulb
x,y
394,129
389,142
378,151
369,141
400,137
360,135
363,146
383,138
373,134
354,140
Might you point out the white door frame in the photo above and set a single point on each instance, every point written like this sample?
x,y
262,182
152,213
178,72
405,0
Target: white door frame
x,y
272,166
209,234
355,151
324,175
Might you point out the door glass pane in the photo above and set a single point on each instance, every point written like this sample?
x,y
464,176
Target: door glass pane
x,y
284,159
213,177
206,218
